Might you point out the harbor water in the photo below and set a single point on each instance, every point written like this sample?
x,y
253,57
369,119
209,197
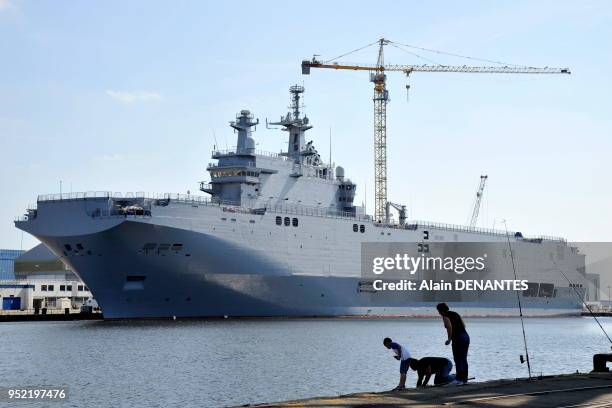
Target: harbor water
x,y
214,363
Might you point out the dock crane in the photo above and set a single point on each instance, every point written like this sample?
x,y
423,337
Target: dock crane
x,y
381,98
479,193
401,209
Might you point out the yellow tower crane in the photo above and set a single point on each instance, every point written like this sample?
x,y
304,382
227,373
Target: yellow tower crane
x,y
381,98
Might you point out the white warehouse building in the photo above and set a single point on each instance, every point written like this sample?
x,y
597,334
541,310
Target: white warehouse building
x,y
42,281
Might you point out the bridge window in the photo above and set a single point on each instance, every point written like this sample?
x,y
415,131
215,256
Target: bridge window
x,y
279,220
362,228
355,228
295,222
287,221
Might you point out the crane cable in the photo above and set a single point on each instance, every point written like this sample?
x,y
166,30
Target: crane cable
x,y
518,298
350,52
397,45
461,56
413,53
573,286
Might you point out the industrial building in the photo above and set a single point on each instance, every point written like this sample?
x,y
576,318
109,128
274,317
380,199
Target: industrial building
x,y
41,283
593,287
7,262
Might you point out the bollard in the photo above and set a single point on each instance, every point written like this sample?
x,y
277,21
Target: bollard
x,y
599,363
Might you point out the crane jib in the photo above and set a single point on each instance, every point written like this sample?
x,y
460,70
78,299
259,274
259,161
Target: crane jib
x,y
381,98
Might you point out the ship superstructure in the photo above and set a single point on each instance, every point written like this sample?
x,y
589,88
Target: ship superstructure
x,y
277,234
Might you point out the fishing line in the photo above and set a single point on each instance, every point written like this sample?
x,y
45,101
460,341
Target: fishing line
x,y
518,298
573,286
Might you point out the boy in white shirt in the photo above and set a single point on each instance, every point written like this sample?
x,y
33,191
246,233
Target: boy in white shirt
x,y
403,355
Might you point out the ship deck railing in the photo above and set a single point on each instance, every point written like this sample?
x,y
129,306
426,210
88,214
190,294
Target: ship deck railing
x,y
256,152
413,225
288,208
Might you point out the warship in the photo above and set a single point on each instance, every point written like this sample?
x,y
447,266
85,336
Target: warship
x,y
277,234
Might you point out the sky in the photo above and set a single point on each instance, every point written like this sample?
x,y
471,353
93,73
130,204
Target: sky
x,y
130,96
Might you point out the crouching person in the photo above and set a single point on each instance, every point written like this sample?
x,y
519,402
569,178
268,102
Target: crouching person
x,y
403,355
439,367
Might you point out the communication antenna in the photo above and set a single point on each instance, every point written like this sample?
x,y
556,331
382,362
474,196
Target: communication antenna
x,y
330,148
215,138
518,298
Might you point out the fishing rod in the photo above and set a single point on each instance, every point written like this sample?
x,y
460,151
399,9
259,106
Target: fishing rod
x,y
573,286
518,298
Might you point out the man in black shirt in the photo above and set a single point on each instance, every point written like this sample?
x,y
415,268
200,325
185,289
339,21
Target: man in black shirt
x,y
455,328
428,366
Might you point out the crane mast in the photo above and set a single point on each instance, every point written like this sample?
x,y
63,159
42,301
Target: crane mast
x,y
479,193
381,98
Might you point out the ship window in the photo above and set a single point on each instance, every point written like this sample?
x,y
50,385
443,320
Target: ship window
x,y
546,290
79,247
252,221
149,247
50,288
177,247
279,220
69,288
287,221
68,247
163,247
362,228
43,288
532,289
223,219
135,278
355,227
295,222
348,187
63,288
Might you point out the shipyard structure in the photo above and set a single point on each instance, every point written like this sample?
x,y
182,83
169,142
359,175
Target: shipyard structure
x,y
276,234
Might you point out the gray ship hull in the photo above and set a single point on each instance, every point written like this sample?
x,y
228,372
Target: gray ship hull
x,y
142,267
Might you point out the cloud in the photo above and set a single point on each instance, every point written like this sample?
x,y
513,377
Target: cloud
x,y
133,97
